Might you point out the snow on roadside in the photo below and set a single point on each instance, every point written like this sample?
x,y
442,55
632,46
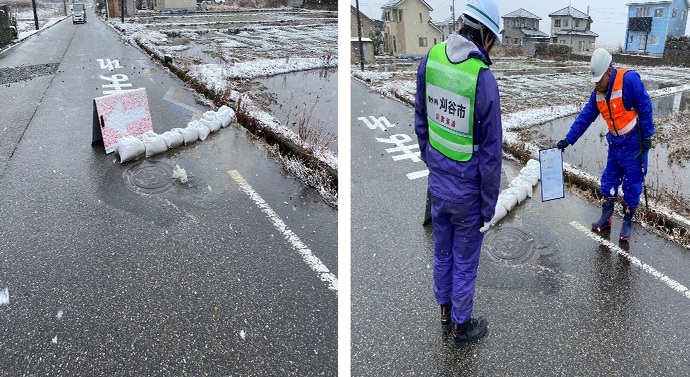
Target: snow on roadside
x,y
218,75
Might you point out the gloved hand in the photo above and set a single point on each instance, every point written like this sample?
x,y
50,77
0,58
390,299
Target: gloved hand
x,y
485,227
562,144
646,144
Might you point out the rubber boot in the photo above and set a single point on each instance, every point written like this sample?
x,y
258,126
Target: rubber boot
x,y
627,224
469,331
446,322
604,221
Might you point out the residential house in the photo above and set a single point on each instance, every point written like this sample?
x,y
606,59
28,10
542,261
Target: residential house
x,y
367,25
521,28
174,5
570,26
651,22
448,27
114,8
407,30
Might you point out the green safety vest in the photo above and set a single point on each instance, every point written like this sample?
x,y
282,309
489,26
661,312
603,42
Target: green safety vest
x,y
450,93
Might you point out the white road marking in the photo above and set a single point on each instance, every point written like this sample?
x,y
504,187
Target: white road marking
x,y
312,260
5,297
644,267
418,174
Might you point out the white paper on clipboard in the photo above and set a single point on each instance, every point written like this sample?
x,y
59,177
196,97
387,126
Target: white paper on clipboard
x,y
551,170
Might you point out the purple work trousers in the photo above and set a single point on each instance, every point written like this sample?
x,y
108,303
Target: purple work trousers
x,y
457,245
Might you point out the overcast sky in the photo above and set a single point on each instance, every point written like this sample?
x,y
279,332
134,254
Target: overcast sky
x,y
609,17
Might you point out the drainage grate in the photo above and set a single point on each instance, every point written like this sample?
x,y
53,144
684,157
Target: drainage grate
x,y
149,177
510,245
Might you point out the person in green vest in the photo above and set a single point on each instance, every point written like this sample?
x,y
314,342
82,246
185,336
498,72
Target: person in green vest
x,y
458,127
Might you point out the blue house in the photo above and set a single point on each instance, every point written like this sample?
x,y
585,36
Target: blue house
x,y
651,22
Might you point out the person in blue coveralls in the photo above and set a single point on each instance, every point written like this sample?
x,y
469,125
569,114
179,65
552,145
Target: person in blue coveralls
x,y
458,127
622,100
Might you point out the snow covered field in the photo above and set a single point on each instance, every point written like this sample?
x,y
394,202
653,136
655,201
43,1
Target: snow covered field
x,y
229,51
539,101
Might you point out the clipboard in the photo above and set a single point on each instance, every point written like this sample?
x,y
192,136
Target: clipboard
x,y
551,174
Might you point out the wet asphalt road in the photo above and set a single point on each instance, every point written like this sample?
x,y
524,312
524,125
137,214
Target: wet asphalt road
x,y
559,300
106,279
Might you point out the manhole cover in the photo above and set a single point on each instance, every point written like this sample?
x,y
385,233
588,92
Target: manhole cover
x,y
510,245
149,177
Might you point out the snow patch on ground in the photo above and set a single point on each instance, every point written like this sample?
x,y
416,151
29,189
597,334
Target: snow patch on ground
x,y
180,174
5,297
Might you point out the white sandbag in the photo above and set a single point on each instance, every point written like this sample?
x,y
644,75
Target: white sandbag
x,y
154,144
209,115
213,125
532,163
507,199
202,130
534,167
522,184
519,192
189,134
173,138
499,213
129,147
529,176
226,115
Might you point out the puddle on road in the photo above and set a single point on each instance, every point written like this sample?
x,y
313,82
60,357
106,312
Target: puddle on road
x,y
310,96
666,175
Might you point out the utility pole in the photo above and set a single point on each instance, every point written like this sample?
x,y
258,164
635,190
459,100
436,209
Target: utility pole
x,y
359,35
122,11
33,4
452,29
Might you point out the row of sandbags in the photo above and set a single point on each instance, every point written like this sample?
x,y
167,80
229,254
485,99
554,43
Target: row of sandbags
x,y
151,143
518,190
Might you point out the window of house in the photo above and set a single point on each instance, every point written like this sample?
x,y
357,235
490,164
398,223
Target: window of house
x,y
654,40
399,14
631,39
420,18
658,12
684,14
577,23
565,23
674,13
642,12
435,42
422,42
557,23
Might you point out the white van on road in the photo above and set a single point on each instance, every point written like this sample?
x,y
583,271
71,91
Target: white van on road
x,y
78,13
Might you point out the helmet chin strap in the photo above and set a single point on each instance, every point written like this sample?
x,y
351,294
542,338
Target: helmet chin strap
x,y
478,26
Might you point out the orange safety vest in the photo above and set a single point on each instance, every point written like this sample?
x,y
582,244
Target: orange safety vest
x,y
619,120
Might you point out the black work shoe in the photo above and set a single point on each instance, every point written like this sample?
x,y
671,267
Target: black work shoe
x,y
446,322
469,331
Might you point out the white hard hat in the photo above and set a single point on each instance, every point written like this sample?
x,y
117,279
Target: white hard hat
x,y
601,60
486,12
